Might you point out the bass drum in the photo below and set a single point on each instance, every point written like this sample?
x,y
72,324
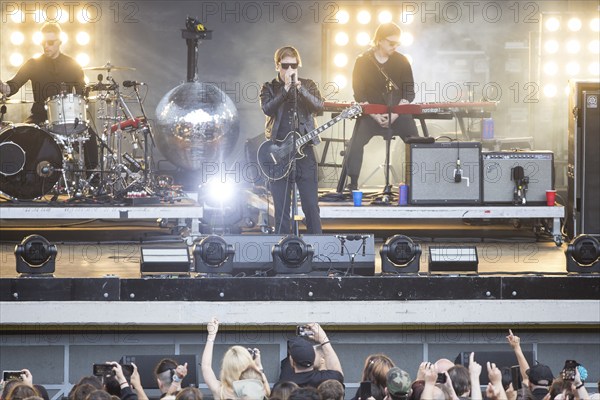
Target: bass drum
x,y
30,161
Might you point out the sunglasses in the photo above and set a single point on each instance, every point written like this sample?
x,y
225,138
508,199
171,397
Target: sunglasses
x,y
49,42
288,65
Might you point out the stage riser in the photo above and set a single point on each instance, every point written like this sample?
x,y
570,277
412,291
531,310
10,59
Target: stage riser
x,y
301,288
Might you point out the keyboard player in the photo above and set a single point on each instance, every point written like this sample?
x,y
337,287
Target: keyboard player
x,y
372,72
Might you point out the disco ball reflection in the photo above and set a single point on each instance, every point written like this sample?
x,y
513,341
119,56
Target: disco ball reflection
x,y
196,123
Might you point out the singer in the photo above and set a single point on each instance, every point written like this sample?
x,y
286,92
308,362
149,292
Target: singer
x,y
50,74
277,102
370,85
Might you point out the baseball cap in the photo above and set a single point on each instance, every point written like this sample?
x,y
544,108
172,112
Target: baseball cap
x,y
302,351
540,375
398,382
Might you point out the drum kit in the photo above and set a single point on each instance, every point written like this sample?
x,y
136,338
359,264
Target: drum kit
x,y
38,161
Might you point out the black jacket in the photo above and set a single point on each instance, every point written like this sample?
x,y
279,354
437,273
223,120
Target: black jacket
x,y
273,96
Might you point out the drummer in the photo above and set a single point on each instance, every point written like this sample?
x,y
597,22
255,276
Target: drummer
x,y
50,74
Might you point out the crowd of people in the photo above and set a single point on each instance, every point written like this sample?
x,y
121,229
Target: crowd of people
x,y
312,371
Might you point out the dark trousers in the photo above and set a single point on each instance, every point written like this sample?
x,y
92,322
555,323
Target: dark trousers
x,y
306,178
364,130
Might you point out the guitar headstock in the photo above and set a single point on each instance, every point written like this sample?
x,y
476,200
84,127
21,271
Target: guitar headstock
x,y
352,111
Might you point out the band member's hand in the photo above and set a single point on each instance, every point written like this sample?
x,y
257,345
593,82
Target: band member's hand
x,y
288,78
381,119
4,89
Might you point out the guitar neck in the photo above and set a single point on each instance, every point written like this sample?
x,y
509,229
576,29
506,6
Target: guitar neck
x,y
315,132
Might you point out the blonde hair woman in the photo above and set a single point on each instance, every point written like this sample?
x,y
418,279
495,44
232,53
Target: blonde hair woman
x,y
235,360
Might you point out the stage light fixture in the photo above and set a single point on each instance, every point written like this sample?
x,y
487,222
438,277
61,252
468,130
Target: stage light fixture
x,y
384,17
37,38
550,90
341,81
340,60
573,46
574,24
583,254
64,38
572,68
341,39
17,38
406,39
17,17
35,255
363,39
82,17
551,68
453,259
82,59
594,68
156,260
342,17
363,17
16,59
82,38
400,255
292,256
552,24
595,25
551,46
212,255
594,46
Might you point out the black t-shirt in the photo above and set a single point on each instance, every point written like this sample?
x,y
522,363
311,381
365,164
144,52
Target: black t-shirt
x,y
48,78
369,84
311,378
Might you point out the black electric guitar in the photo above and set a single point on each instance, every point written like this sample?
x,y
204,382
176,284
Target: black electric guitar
x,y
275,156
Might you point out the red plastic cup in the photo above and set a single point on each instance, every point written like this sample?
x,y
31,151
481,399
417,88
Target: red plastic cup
x,y
550,197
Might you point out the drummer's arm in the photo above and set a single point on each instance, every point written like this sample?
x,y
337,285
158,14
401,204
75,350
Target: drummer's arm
x,y
12,86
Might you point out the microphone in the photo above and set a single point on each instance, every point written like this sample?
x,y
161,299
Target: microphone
x,y
2,112
75,123
133,83
100,77
293,80
457,172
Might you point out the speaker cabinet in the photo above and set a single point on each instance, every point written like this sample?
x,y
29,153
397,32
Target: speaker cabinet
x,y
498,183
583,176
444,173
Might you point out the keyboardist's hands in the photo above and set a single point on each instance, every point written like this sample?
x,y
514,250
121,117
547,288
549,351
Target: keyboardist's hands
x,y
381,119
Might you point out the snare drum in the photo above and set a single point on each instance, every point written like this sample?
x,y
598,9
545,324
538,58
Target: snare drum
x,y
30,161
67,115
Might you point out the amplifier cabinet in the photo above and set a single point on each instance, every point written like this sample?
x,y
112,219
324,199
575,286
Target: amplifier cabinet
x,y
583,170
497,174
444,173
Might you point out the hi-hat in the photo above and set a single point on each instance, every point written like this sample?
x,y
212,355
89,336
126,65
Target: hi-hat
x,y
108,67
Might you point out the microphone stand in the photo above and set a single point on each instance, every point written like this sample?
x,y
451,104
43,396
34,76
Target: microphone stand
x,y
147,133
296,128
390,86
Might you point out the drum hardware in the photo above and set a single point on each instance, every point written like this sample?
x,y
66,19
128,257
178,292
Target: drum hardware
x,y
108,67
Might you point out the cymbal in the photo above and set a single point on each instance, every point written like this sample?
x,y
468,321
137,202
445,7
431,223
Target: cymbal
x,y
108,67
